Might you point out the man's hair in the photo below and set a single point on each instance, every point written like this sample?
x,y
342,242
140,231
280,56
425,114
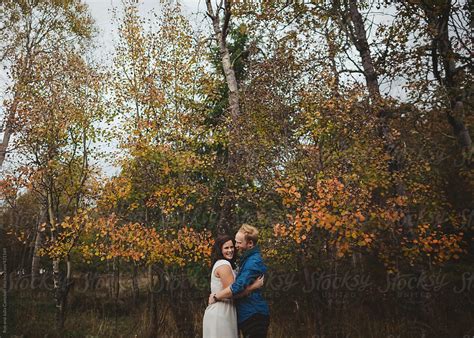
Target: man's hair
x,y
250,232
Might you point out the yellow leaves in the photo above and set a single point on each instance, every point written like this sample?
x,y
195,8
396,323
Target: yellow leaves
x,y
117,188
133,206
160,77
243,29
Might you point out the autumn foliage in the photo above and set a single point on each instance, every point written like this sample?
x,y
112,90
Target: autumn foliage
x,y
344,146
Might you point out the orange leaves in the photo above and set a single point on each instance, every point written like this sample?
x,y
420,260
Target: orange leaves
x,y
366,239
333,211
191,246
289,193
359,216
429,241
170,198
139,242
12,184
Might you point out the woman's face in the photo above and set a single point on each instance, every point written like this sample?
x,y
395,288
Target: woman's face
x,y
228,249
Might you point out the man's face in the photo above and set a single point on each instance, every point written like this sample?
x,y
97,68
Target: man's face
x,y
240,243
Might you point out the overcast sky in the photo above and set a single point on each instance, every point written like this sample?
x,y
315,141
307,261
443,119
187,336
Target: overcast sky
x,y
101,11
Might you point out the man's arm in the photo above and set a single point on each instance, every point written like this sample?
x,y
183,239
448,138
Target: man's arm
x,y
245,278
257,284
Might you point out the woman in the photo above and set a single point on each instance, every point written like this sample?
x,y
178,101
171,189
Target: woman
x,y
220,318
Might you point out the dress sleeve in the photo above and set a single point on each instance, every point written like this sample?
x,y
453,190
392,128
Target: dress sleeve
x,y
219,263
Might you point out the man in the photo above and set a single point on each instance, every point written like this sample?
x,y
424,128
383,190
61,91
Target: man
x,y
252,311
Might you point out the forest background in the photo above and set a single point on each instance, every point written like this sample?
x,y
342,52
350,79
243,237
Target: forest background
x,y
341,129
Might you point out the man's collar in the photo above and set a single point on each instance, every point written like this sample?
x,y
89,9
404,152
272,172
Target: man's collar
x,y
249,252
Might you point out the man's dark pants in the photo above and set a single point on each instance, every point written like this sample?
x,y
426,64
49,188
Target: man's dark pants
x,y
256,326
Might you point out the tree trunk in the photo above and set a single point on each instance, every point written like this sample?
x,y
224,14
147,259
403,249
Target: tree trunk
x,y
113,289
115,279
57,275
231,79
5,141
35,261
59,282
7,131
226,221
358,36
438,20
181,306
62,285
152,306
332,51
135,289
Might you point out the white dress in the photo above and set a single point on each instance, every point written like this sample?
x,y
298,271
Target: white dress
x,y
220,319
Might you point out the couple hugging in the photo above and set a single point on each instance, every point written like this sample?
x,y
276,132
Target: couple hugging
x,y
236,301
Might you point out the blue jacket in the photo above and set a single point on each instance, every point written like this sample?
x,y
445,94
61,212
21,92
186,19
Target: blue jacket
x,y
251,267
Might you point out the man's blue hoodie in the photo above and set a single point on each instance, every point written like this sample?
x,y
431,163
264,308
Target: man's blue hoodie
x,y
251,267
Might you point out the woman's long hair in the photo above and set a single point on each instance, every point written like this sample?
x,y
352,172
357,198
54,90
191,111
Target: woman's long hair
x,y
216,252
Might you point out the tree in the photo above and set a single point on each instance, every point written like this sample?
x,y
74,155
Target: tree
x,y
445,27
221,30
161,85
57,113
31,29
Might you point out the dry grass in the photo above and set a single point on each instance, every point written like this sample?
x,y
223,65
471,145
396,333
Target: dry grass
x,y
92,313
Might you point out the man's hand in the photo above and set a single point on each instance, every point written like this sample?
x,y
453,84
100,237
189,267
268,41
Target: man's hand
x,y
259,281
211,299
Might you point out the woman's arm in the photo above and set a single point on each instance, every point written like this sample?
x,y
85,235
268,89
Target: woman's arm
x,y
224,272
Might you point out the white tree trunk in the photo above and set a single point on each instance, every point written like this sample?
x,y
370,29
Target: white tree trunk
x,y
225,221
